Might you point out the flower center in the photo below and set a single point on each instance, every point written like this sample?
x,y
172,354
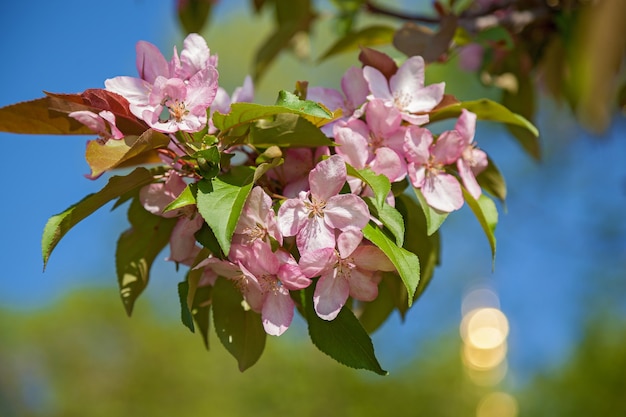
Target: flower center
x,y
254,233
315,207
402,99
269,283
173,109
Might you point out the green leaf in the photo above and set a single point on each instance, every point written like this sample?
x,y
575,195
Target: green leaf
x,y
434,217
343,339
221,200
207,239
379,183
492,181
407,264
303,107
287,130
198,299
137,248
194,14
208,162
58,225
487,215
390,217
36,118
131,150
186,198
243,114
523,103
490,110
369,36
185,314
239,329
427,248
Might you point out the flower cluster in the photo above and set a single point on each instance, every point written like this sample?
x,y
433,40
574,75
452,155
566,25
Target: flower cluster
x,y
303,219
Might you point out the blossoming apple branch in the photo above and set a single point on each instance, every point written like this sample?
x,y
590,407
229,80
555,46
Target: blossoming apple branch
x,y
326,203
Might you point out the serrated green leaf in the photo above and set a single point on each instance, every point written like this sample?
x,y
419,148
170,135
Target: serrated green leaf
x,y
221,200
390,217
136,250
130,150
434,218
186,198
242,114
379,183
287,130
490,110
407,264
58,225
487,215
492,181
302,107
343,339
185,313
369,36
427,248
239,329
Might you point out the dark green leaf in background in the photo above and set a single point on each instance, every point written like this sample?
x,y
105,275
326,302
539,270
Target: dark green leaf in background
x,y
137,248
239,329
343,339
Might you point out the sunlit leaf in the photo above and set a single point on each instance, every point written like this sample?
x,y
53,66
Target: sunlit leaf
x,y
407,264
344,339
121,153
186,198
58,225
378,183
221,200
417,241
487,215
239,329
136,250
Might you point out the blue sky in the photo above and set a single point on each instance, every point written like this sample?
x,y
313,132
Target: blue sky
x,y
561,241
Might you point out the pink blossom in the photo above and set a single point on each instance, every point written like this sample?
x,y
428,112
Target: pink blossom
x,y
349,270
293,175
473,160
157,196
274,279
257,220
377,144
426,166
175,96
353,95
183,246
314,216
405,90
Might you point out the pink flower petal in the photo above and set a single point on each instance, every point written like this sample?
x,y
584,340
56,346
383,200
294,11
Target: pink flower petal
x,y
362,286
292,216
277,312
346,211
371,258
449,147
327,178
318,262
330,296
443,192
150,62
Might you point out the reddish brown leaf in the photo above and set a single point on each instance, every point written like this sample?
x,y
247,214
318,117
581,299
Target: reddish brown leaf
x,y
382,62
414,39
36,117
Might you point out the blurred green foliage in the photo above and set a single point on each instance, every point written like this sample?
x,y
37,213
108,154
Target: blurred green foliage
x,y
83,357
